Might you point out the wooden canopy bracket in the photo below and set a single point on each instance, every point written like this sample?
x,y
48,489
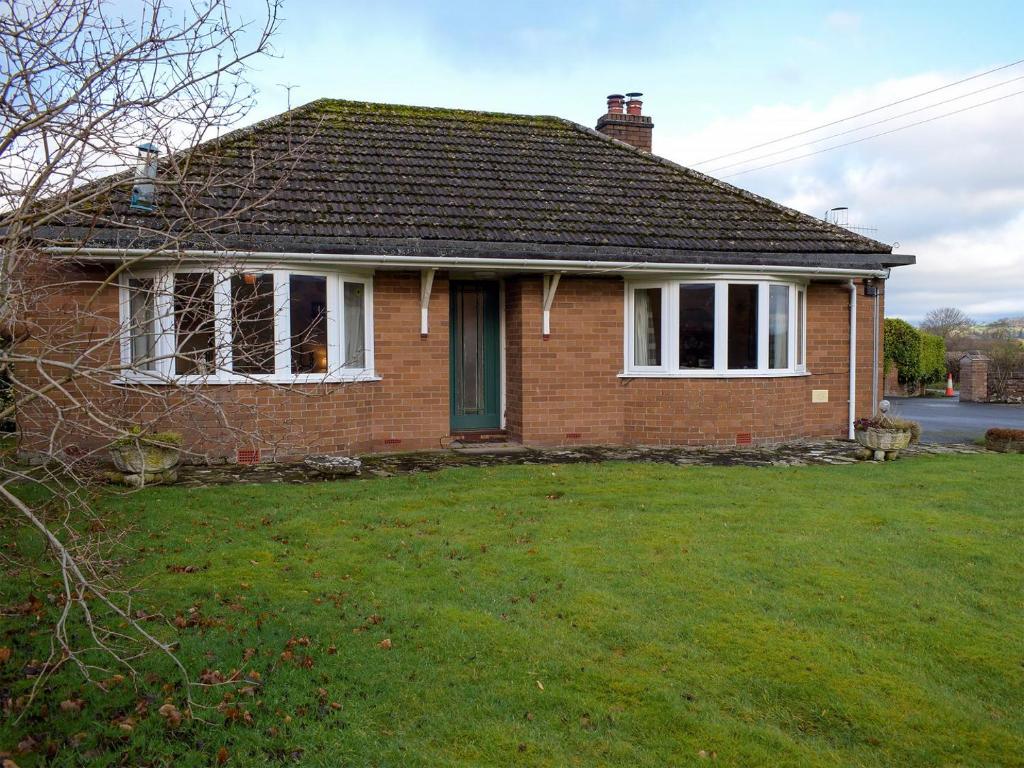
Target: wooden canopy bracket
x,y
426,285
550,287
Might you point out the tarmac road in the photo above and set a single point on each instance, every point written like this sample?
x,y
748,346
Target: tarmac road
x,y
947,420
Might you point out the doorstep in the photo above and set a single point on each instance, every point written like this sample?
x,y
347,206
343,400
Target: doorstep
x,y
486,449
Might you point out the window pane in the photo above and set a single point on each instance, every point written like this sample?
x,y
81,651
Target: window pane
x,y
801,298
697,326
647,326
778,326
308,294
252,323
742,326
355,325
142,313
193,323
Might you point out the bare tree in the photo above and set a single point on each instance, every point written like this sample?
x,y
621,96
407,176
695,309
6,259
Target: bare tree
x,y
82,84
947,322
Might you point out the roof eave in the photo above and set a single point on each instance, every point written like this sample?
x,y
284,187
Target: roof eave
x,y
498,264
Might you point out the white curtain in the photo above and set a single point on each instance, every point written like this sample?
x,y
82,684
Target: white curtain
x,y
355,326
645,329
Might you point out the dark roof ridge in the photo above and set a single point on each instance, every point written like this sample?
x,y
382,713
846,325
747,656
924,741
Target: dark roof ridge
x,y
725,186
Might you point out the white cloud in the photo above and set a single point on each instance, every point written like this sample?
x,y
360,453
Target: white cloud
x,y
951,191
843,21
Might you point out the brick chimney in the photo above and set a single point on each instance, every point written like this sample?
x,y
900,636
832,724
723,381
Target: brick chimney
x,y
630,126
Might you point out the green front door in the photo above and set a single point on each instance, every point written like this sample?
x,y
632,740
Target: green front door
x,y
475,356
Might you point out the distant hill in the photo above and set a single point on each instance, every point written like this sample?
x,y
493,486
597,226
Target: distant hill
x,y
1012,327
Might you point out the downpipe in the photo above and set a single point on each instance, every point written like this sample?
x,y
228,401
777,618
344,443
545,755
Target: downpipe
x,y
852,415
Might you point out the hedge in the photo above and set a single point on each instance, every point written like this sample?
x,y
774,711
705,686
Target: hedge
x,y
917,356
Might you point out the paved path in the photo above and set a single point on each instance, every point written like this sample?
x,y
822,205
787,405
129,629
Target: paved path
x,y
947,420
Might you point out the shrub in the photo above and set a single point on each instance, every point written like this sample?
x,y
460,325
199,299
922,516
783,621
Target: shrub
x,y
932,365
919,357
136,434
902,344
998,433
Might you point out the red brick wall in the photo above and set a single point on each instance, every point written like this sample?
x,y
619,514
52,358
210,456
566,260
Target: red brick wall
x,y
566,390
974,380
563,390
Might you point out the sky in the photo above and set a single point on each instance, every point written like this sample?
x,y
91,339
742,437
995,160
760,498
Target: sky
x,y
722,76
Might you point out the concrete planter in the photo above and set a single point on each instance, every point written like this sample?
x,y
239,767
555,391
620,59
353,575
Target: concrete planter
x,y
882,444
1004,445
141,463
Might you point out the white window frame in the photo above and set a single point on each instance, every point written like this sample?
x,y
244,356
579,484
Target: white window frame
x,y
663,368
670,329
223,374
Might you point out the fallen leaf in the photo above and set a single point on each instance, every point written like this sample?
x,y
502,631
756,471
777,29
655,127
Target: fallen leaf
x,y
5,655
9,764
540,685
335,705
222,756
331,650
253,562
211,677
385,644
184,568
171,714
71,705
249,653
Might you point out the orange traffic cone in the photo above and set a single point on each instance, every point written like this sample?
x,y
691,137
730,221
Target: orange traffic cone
x,y
949,385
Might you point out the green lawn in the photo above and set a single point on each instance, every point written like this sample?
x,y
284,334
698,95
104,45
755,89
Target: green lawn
x,y
620,614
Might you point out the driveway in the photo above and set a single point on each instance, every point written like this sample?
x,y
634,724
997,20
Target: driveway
x,y
947,420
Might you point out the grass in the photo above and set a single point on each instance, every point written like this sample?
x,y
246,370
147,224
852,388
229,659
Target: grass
x,y
622,615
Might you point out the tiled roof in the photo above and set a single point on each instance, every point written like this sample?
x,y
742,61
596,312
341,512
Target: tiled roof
x,y
353,177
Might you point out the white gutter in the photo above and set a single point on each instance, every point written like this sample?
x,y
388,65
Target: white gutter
x,y
494,263
853,359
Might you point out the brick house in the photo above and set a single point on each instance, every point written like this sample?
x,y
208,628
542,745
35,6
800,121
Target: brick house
x,y
459,273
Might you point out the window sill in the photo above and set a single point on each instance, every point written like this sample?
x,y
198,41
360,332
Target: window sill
x,y
713,374
184,381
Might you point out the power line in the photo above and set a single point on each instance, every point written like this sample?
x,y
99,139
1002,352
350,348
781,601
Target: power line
x,y
860,114
866,125
876,135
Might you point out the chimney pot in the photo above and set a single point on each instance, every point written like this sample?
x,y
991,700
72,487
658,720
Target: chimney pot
x,y
634,106
615,101
144,189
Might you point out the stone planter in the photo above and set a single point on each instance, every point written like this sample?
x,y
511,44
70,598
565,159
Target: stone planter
x,y
1004,445
882,444
143,463
326,465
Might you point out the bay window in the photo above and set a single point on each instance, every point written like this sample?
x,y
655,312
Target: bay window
x,y
720,327
218,326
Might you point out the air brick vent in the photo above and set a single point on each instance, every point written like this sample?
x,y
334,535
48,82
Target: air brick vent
x,y
743,438
247,455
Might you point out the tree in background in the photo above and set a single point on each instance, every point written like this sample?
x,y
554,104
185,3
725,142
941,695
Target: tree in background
x,y
947,322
